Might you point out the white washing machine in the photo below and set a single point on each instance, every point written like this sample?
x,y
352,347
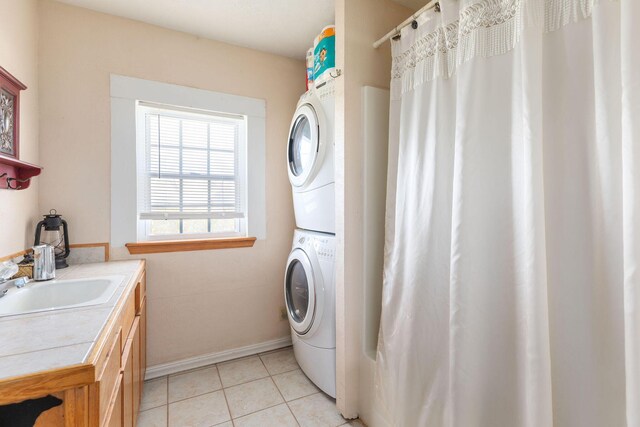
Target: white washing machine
x,y
310,159
309,289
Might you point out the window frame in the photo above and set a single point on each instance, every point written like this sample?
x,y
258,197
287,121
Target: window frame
x,y
179,112
125,93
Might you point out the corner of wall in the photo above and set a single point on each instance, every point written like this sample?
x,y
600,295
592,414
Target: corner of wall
x,y
19,56
358,24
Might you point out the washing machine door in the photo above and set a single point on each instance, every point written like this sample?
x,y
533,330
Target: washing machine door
x,y
303,148
300,291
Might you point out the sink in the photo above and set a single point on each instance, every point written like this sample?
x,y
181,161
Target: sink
x,y
59,294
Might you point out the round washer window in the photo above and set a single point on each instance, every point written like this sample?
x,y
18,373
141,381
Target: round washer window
x,y
297,291
300,146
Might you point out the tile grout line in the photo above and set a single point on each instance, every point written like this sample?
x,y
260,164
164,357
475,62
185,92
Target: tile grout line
x,y
189,371
270,376
317,390
313,394
291,370
303,397
276,350
225,396
210,391
226,401
199,394
294,415
277,388
153,407
264,365
186,398
243,358
246,382
268,407
265,408
255,412
285,401
202,394
224,388
194,396
163,404
39,350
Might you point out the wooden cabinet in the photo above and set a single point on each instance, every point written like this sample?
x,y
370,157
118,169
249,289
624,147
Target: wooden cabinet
x,y
132,366
105,388
131,371
114,414
143,343
127,385
112,398
136,372
140,351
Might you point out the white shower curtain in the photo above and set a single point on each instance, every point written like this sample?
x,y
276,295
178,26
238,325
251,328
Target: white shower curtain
x,y
511,285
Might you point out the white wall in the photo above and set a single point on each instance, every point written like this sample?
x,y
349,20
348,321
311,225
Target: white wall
x,y
199,302
358,24
18,55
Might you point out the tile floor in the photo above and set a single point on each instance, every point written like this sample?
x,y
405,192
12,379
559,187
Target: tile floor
x,y
265,390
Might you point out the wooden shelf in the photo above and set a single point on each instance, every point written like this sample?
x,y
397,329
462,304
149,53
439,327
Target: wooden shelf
x,y
154,247
17,169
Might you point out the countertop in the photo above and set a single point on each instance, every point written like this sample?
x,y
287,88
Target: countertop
x,y
45,341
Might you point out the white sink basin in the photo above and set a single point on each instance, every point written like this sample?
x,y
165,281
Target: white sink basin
x,y
59,294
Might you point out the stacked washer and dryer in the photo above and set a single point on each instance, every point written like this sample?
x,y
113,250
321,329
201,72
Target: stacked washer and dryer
x,y
309,284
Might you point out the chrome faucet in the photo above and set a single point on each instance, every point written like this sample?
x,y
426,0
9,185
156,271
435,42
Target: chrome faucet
x,y
6,284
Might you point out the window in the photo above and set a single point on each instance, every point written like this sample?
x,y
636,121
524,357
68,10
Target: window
x,y
193,173
186,163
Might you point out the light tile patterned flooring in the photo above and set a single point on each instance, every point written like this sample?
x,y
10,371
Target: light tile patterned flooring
x,y
266,390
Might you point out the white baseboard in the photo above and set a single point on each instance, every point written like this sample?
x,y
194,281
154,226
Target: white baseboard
x,y
211,358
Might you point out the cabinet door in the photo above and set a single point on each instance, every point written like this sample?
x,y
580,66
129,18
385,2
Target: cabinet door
x,y
115,416
141,292
135,362
143,343
131,371
127,384
103,391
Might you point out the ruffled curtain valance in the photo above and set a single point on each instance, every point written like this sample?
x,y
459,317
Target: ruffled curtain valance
x,y
444,41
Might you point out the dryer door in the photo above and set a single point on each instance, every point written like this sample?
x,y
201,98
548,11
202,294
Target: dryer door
x,y
303,146
300,291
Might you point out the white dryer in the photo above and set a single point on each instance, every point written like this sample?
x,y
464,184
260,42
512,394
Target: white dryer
x,y
310,160
309,289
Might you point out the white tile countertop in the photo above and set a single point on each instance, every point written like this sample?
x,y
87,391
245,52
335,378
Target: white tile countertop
x,y
48,340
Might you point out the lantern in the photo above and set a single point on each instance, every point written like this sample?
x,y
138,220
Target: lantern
x,y
55,234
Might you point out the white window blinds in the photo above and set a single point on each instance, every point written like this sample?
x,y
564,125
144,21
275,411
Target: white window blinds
x,y
193,165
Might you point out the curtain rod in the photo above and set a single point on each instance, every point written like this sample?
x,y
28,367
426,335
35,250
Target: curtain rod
x,y
430,5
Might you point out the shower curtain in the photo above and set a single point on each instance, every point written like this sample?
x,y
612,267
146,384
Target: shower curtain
x,y
511,285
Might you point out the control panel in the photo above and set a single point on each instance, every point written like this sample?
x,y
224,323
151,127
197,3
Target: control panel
x,y
325,248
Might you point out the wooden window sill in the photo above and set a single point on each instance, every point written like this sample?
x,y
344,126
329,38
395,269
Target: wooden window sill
x,y
159,246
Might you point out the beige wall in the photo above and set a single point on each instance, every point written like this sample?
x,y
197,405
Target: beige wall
x,y
199,302
358,24
18,55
